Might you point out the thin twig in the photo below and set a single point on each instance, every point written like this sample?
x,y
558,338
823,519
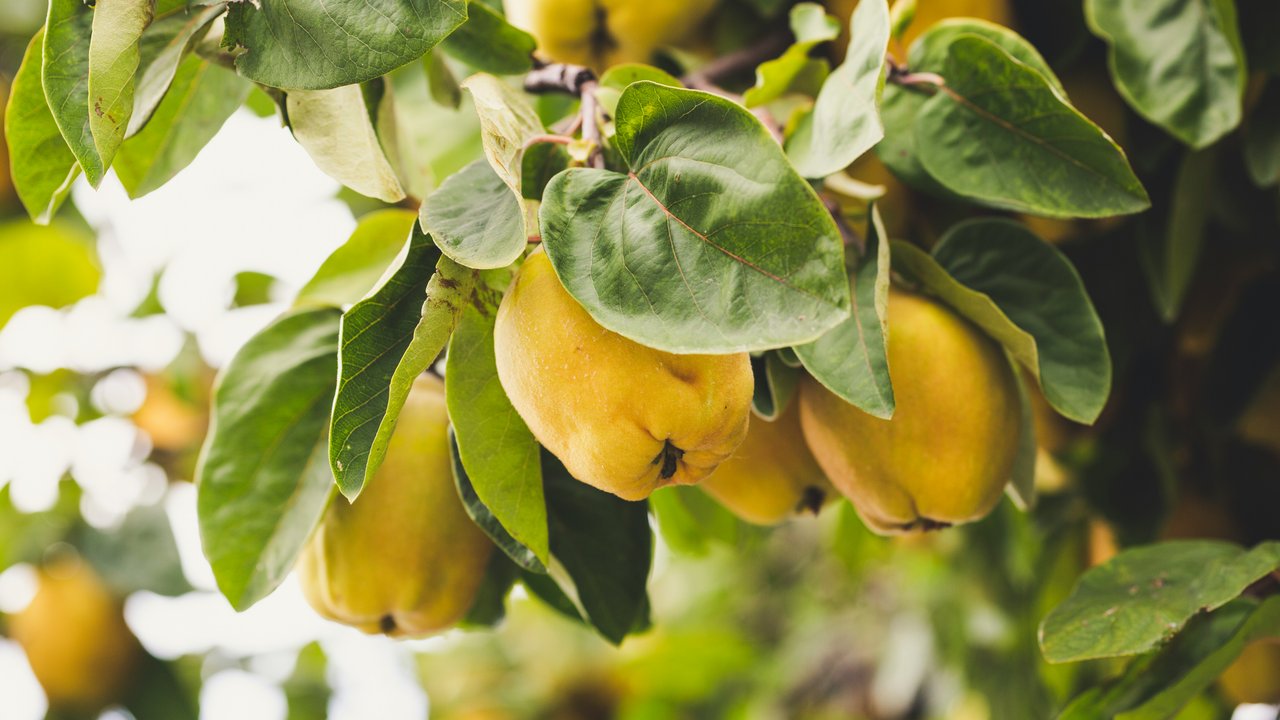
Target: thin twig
x,y
725,67
553,139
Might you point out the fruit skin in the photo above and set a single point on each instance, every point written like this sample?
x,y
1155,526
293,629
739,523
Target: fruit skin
x,y
76,639
1255,676
602,33
948,452
622,417
404,559
772,475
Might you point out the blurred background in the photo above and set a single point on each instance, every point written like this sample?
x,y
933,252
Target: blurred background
x,y
115,318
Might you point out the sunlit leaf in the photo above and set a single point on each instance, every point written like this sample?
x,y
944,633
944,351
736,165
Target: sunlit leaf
x,y
65,72
42,165
336,130
113,61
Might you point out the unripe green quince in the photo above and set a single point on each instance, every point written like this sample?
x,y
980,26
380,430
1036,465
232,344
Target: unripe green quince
x,y
601,33
76,640
404,559
772,475
947,453
621,416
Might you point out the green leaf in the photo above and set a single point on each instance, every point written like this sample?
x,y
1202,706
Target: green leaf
x,y
335,129
113,61
388,340
319,44
1179,63
546,589
851,359
475,219
498,450
1022,483
1262,138
263,478
1158,686
690,520
163,47
1039,291
900,105
41,164
1000,134
618,77
307,689
487,42
200,99
514,549
709,243
139,554
65,73
775,385
1171,254
355,268
845,122
52,266
1144,595
811,26
440,81
157,691
507,123
605,544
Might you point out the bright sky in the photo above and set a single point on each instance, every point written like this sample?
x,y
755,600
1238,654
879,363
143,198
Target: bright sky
x,y
252,200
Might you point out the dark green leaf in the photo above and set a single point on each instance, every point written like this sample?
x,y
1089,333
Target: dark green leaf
x,y
605,545
851,360
1144,595
845,122
201,97
1179,63
65,72
1262,138
517,552
314,45
1039,291
113,62
490,605
164,45
441,81
263,476
156,691
1000,134
351,271
41,164
710,243
388,339
487,42
546,589
475,218
497,449
1171,254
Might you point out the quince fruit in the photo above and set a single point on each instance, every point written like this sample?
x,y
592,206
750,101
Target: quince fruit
x,y
947,453
404,559
76,640
601,33
772,475
622,417
1255,676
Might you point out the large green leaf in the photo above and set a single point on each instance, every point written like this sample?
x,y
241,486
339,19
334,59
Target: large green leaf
x,y
52,266
999,133
41,164
1179,63
201,97
263,475
355,268
850,359
710,242
845,122
811,26
1144,595
476,219
605,544
335,129
113,62
507,123
388,339
487,42
65,72
163,46
498,450
900,105
1158,686
1040,292
514,549
320,44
